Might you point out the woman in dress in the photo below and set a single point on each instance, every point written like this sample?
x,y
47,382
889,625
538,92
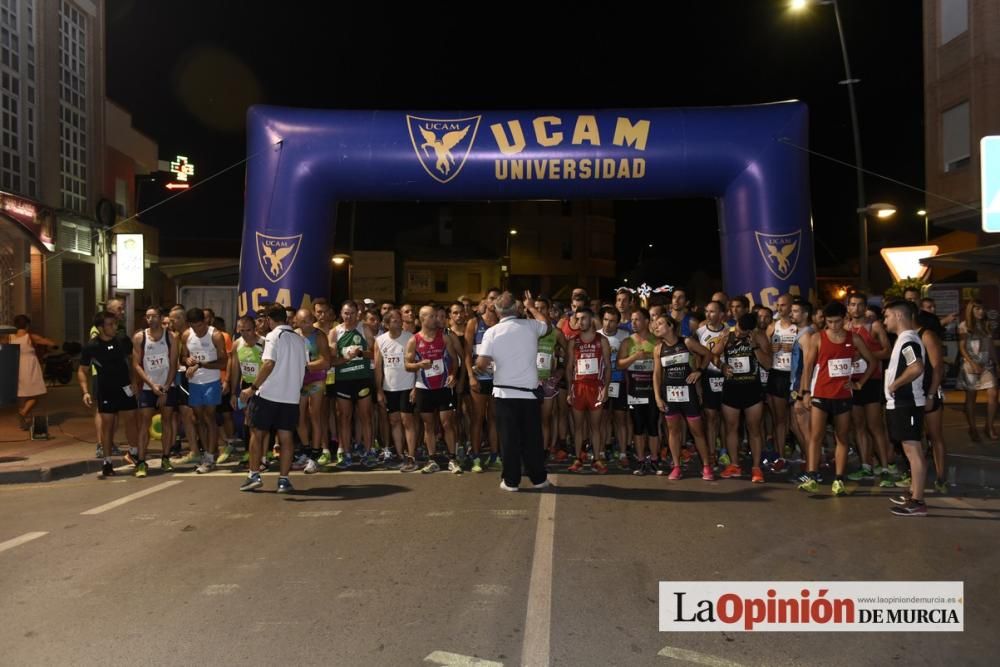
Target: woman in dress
x,y
30,383
978,371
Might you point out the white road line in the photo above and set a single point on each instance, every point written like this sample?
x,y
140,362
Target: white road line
x,y
129,498
457,660
535,649
696,658
18,541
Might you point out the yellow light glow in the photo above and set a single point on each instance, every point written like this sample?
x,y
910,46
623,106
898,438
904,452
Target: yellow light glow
x,y
921,212
513,232
338,260
798,5
884,213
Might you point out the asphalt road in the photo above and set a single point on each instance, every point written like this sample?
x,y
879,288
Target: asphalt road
x,y
380,568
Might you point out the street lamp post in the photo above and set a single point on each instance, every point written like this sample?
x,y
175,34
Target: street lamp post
x,y
507,266
339,260
927,228
859,172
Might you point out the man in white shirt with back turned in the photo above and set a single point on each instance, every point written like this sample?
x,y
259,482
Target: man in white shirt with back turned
x,y
512,345
273,398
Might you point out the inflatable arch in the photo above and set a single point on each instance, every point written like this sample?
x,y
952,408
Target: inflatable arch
x,y
304,161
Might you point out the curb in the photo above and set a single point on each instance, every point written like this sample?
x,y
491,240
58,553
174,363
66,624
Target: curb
x,y
55,472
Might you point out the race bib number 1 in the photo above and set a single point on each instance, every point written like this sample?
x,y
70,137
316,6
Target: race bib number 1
x,y
677,394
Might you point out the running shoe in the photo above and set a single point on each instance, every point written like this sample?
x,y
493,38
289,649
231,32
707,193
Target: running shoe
x,y
864,472
675,474
756,475
707,474
108,470
141,469
911,508
839,488
166,465
284,485
731,472
599,467
252,482
431,466
224,455
454,467
477,465
577,466
810,485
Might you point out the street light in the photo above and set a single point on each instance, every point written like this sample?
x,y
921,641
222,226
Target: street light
x,y
339,260
927,229
507,264
799,5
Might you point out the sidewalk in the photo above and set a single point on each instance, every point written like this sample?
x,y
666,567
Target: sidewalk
x,y
70,450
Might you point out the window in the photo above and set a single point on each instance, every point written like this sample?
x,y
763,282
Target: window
x,y
73,100
440,282
955,137
954,19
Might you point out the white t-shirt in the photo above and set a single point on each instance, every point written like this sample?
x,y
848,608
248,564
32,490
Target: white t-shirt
x,y
513,346
288,351
395,377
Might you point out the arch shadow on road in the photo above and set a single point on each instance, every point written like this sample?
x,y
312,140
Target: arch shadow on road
x,y
680,495
345,492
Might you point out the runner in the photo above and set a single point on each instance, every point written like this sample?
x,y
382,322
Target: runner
x,y
738,307
616,413
569,324
244,364
396,387
432,355
154,355
680,311
204,352
636,357
931,333
351,353
744,351
782,334
710,335
624,304
679,363
802,314
904,396
481,383
116,385
550,373
589,372
185,415
832,354
463,401
409,318
311,413
866,413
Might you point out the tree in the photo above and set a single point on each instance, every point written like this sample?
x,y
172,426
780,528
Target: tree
x,y
899,287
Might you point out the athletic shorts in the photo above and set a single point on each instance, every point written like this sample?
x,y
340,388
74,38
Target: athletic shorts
x,y
779,384
207,394
688,409
434,400
832,406
711,399
741,395
398,401
226,405
353,390
181,382
550,389
110,400
266,415
617,398
870,392
646,418
585,396
906,423
485,387
312,389
149,400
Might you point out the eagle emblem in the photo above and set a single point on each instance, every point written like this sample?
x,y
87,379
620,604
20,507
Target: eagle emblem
x,y
780,252
276,254
444,144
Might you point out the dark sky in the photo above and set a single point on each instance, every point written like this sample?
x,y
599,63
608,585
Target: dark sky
x,y
188,69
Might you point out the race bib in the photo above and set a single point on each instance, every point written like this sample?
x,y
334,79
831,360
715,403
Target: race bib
x,y
858,367
783,361
155,362
740,365
437,368
641,365
682,359
200,357
636,400
839,368
392,361
128,391
763,375
586,367
543,361
613,389
678,394
715,384
248,369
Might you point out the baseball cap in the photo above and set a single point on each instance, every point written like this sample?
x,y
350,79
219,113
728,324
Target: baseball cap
x,y
369,302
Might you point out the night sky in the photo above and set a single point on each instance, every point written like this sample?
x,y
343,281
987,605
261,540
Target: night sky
x,y
187,70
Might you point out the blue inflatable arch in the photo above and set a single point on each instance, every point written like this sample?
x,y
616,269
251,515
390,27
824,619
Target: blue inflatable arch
x,y
304,161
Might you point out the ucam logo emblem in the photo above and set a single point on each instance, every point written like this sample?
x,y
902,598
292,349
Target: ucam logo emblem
x,y
276,254
780,252
442,144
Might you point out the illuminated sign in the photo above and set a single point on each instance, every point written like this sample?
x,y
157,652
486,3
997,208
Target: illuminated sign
x,y
989,148
129,261
181,168
178,186
904,261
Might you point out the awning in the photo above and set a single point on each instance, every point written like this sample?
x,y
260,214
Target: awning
x,y
173,267
986,258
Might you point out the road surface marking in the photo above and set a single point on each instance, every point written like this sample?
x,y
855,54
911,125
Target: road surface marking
x,y
696,658
491,589
220,589
127,499
319,513
509,514
18,541
443,513
535,649
457,660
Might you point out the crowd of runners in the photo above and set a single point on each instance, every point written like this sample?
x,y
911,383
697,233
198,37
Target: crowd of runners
x,y
725,390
